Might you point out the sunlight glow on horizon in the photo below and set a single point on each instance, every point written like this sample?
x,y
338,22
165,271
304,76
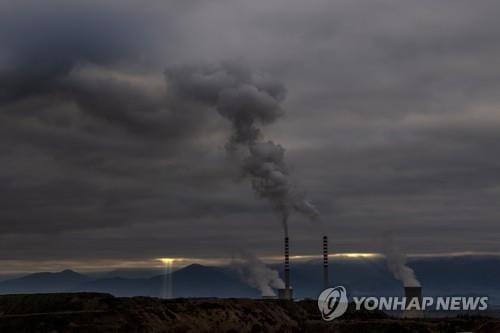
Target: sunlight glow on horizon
x,y
168,260
29,266
357,255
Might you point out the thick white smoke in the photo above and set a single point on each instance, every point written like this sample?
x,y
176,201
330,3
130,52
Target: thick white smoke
x,y
258,275
396,263
248,101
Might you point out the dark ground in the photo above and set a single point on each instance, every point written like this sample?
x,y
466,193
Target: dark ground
x,y
93,312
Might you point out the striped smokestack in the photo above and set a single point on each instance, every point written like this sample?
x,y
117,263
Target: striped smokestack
x,y
325,262
287,292
287,265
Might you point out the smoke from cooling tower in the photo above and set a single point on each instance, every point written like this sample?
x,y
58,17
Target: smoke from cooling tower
x,y
397,265
258,275
248,101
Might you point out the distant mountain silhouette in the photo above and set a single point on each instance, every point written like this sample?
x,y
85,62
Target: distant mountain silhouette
x,y
129,273
119,287
43,282
191,281
202,281
439,276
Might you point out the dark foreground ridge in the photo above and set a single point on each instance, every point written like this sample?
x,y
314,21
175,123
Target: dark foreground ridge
x,y
95,312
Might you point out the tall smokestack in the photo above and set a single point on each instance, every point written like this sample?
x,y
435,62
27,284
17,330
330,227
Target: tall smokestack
x,y
325,262
287,292
287,265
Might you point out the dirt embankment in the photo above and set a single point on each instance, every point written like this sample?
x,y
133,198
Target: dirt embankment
x,y
92,312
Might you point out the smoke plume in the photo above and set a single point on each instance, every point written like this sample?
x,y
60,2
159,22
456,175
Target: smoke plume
x,y
248,101
257,274
396,263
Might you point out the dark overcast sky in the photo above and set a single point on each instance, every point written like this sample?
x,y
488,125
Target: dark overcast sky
x,y
392,125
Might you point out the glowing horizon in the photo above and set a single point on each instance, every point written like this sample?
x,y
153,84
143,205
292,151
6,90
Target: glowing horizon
x,y
167,261
30,266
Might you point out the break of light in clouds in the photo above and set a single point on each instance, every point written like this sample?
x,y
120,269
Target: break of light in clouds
x,y
391,123
97,265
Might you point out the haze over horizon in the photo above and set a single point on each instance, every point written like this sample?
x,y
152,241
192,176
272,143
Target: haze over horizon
x,y
391,124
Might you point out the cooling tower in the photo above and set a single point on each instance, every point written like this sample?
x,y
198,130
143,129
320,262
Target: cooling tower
x,y
412,293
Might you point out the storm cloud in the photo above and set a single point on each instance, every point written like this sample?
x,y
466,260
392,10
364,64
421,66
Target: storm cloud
x,y
392,123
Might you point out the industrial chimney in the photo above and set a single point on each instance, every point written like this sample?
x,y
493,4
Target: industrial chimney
x,y
287,292
325,263
287,264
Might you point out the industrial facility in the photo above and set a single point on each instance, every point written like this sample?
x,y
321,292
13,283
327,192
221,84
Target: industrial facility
x,y
287,292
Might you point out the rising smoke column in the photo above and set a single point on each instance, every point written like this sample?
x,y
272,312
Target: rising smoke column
x,y
257,274
396,263
248,101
